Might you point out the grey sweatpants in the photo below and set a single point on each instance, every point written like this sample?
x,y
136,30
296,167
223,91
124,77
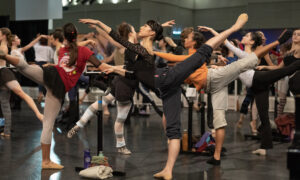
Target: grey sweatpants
x,y
217,82
52,104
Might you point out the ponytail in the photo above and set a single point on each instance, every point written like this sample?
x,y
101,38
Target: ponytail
x,y
70,34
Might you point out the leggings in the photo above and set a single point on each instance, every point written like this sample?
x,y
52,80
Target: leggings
x,y
52,104
5,107
146,95
248,99
260,87
168,81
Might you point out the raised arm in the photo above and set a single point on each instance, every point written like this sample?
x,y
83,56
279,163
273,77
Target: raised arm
x,y
106,36
86,42
138,49
237,51
171,57
32,43
271,67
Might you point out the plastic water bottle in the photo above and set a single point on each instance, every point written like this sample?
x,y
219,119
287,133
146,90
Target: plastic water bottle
x,y
87,158
2,121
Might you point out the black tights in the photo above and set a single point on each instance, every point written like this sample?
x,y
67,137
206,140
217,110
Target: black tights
x,y
260,86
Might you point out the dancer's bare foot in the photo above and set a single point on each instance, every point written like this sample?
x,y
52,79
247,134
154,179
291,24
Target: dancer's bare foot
x,y
240,22
253,127
239,124
51,165
164,174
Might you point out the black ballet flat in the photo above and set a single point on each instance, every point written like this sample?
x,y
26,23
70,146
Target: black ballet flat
x,y
213,161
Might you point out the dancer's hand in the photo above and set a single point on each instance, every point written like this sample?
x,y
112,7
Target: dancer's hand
x,y
89,21
260,67
207,29
222,59
169,23
109,70
43,36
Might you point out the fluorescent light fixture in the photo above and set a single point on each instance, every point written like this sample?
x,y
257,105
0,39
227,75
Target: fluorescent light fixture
x,y
114,1
65,3
100,1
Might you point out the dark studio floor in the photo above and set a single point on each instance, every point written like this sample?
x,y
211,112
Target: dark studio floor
x,y
20,155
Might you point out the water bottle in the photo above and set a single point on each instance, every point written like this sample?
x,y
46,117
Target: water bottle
x,y
185,140
87,158
2,122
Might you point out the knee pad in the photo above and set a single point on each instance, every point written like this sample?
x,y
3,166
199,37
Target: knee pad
x,y
123,110
88,114
108,99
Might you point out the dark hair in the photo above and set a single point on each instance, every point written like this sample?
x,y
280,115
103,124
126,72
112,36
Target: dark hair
x,y
44,41
286,46
58,34
185,32
5,31
157,28
11,40
70,34
225,50
199,38
256,37
124,29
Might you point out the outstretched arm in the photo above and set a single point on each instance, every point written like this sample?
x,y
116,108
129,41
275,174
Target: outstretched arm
x,y
106,36
138,49
237,51
86,42
32,43
171,57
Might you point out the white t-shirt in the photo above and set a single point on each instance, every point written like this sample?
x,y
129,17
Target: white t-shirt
x,y
247,76
43,53
55,57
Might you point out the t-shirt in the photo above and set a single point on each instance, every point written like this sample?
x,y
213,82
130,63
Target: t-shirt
x,y
17,53
43,53
290,59
70,75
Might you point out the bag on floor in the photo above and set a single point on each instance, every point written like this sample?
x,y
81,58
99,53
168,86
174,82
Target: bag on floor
x,y
205,141
285,124
97,172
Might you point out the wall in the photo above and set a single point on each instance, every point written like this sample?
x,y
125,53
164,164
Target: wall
x,y
110,14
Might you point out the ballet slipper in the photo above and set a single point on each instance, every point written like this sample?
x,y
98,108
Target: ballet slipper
x,y
51,165
253,128
73,131
163,175
240,22
46,162
5,135
239,124
261,152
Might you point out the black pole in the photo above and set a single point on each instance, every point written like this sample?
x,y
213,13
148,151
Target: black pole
x,y
100,125
202,120
293,155
190,124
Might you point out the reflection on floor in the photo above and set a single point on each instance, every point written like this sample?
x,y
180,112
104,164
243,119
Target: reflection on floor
x,y
20,156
